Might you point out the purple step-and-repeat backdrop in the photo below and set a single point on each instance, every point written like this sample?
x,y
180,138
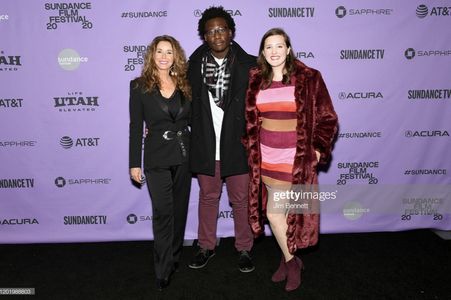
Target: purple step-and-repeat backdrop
x,y
64,74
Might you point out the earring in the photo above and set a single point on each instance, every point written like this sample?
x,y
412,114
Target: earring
x,y
172,71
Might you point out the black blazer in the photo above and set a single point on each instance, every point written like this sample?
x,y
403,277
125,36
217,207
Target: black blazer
x,y
203,141
158,151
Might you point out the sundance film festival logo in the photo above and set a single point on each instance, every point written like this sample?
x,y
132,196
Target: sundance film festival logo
x,y
363,54
135,55
76,102
4,17
70,60
426,133
61,181
341,12
423,11
357,171
9,62
437,94
233,12
410,53
422,206
291,12
360,96
67,142
133,219
66,13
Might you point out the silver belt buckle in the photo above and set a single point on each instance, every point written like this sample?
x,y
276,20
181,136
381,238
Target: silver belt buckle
x,y
165,135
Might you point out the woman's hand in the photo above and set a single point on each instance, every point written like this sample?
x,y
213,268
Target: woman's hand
x,y
135,174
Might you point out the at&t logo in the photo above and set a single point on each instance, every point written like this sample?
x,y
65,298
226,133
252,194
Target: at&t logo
x,y
423,11
67,142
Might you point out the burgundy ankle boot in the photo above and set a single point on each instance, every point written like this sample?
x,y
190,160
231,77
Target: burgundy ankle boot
x,y
281,273
294,267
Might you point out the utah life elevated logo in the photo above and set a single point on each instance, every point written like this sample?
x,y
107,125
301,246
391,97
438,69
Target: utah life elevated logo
x,y
66,13
9,62
67,142
76,102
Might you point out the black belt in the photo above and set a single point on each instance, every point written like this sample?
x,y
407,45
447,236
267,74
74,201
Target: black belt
x,y
170,135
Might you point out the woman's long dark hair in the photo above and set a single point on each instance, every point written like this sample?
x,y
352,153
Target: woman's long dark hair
x,y
265,67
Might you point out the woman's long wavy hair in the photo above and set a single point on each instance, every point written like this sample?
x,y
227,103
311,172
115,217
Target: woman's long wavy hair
x,y
265,67
149,74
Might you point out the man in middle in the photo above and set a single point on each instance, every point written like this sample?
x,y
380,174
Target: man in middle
x,y
218,73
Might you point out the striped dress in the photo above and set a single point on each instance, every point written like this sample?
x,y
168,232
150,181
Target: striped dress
x,y
277,109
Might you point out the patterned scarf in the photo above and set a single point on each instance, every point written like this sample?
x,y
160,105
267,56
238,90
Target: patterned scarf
x,y
217,77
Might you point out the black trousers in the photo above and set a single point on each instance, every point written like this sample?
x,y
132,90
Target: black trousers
x,y
169,189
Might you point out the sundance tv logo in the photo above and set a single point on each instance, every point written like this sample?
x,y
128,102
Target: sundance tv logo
x,y
76,102
410,53
67,142
422,11
341,12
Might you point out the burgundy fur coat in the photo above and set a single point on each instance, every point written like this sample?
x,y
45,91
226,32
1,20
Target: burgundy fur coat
x,y
316,128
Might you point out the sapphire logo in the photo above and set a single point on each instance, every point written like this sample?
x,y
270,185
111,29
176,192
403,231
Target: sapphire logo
x,y
422,11
340,12
409,53
66,142
60,182
132,219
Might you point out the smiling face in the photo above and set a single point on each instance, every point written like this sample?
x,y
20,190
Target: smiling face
x,y
164,56
275,51
218,36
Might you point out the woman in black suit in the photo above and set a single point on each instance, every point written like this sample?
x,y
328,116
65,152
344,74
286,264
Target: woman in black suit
x,y
160,97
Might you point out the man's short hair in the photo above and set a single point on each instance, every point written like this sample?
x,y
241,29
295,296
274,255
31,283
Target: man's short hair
x,y
215,12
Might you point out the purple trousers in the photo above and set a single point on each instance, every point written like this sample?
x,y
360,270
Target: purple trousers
x,y
210,193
